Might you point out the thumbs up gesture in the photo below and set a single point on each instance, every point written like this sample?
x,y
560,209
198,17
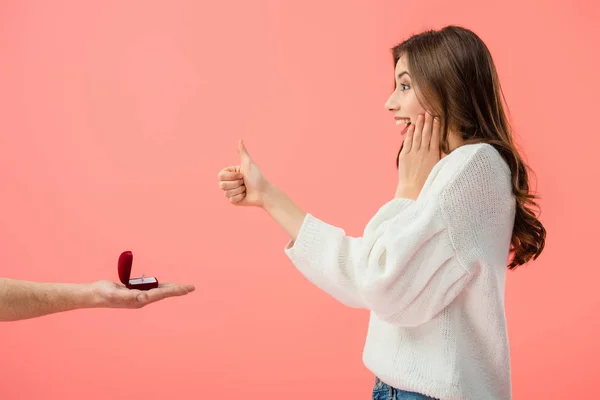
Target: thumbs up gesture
x,y
244,184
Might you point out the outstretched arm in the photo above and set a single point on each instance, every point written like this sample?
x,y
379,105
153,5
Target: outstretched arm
x,y
23,299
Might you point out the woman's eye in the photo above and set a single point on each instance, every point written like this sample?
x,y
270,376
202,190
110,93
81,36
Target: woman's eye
x,y
404,86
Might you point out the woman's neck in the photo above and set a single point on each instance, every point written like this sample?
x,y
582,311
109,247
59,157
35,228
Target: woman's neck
x,y
455,140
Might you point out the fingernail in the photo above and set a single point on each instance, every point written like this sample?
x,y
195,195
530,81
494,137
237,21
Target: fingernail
x,y
140,298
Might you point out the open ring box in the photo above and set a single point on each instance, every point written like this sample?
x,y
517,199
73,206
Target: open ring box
x,y
143,283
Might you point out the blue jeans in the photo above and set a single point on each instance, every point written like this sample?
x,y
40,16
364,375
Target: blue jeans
x,y
383,391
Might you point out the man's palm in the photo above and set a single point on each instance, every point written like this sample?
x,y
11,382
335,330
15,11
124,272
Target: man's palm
x,y
115,295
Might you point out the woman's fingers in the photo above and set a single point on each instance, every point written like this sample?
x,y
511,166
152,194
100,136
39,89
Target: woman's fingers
x,y
426,132
234,192
237,198
230,174
408,140
418,131
228,185
435,135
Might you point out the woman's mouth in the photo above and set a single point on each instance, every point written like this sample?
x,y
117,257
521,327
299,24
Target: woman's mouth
x,y
401,121
405,129
405,122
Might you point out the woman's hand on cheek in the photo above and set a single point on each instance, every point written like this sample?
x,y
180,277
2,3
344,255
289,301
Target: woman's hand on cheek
x,y
420,152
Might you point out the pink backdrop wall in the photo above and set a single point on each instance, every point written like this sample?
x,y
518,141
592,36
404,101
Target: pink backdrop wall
x,y
115,118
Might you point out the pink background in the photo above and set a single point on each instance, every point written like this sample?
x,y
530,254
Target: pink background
x,y
115,119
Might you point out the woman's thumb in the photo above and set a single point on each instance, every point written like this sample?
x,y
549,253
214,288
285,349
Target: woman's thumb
x,y
242,150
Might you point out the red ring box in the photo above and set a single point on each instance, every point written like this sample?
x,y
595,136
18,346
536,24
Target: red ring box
x,y
143,283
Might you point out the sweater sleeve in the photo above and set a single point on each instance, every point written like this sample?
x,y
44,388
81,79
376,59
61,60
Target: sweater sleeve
x,y
405,267
333,270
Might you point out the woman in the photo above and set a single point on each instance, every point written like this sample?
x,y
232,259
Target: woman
x,y
432,262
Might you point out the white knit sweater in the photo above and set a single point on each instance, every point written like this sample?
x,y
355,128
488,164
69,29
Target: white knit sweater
x,y
432,273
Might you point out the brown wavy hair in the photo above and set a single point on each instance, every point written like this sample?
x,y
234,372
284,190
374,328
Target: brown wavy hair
x,y
455,75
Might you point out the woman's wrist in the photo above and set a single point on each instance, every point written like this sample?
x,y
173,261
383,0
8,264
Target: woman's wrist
x,y
272,196
283,210
407,191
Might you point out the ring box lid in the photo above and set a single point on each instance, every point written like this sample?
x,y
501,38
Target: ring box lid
x,y
125,264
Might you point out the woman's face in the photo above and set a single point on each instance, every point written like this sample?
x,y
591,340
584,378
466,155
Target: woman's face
x,y
403,102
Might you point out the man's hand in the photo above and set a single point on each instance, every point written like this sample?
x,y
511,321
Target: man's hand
x,y
107,294
23,300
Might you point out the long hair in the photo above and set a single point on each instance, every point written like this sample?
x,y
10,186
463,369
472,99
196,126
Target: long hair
x,y
455,75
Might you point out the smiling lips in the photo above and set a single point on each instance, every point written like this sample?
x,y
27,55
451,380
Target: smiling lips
x,y
400,121
403,121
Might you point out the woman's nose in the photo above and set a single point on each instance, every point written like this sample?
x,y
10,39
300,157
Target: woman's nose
x,y
391,104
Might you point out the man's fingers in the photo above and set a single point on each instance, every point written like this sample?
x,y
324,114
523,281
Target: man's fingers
x,y
229,185
164,291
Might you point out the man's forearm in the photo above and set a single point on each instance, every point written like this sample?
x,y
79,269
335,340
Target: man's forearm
x,y
284,211
23,299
